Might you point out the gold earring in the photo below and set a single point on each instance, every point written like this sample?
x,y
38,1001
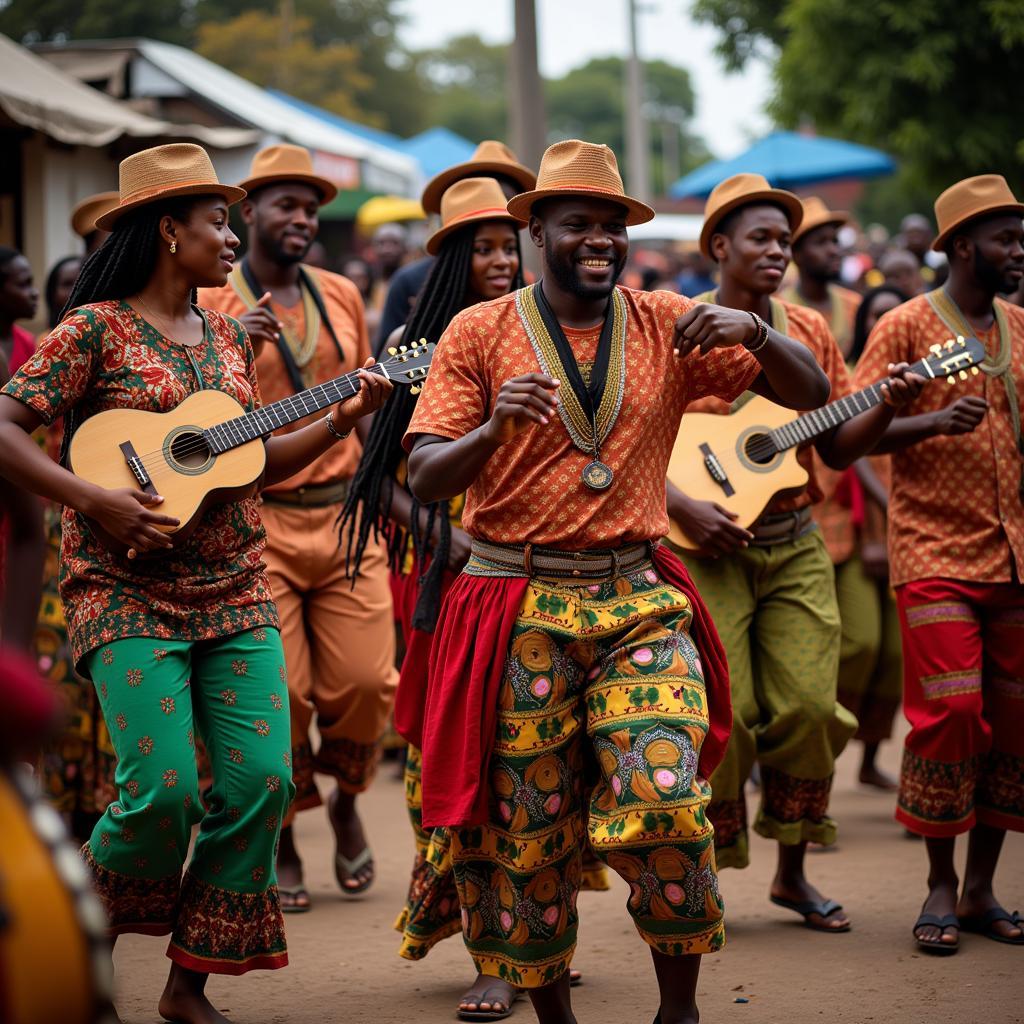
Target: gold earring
x,y
174,248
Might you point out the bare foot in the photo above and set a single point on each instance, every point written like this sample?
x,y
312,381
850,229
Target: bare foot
x,y
877,779
184,1002
941,901
350,839
488,995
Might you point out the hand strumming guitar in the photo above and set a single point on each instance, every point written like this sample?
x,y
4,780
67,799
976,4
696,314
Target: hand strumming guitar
x,y
125,514
523,402
707,326
710,526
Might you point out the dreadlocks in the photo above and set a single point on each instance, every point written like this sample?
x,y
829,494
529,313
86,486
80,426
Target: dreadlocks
x,y
369,497
125,262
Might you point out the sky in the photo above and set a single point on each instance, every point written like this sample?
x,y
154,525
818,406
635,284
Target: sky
x,y
570,32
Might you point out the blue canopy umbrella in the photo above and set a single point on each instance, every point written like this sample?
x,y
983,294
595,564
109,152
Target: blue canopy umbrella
x,y
789,160
438,148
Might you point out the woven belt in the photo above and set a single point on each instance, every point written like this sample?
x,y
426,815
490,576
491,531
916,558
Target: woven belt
x,y
527,560
318,496
781,528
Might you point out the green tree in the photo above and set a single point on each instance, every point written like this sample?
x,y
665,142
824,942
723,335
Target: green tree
x,y
40,20
745,27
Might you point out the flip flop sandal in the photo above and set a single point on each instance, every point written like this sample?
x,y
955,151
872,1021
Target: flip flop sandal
x,y
938,948
295,892
983,925
345,870
484,1015
807,907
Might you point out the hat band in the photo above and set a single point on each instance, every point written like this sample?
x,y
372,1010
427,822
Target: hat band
x,y
499,210
149,193
582,188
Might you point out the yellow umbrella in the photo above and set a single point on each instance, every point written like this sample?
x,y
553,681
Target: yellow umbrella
x,y
387,209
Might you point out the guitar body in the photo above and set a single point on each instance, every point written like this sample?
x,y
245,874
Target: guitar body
x,y
182,469
707,442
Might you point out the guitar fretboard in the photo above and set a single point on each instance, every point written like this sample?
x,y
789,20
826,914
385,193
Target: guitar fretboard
x,y
813,424
264,421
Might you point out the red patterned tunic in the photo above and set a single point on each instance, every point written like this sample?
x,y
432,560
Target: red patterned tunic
x,y
105,356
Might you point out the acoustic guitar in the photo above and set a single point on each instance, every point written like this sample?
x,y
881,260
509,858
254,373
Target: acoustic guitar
x,y
208,449
746,459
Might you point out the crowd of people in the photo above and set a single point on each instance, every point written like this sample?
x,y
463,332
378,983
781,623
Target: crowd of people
x,y
482,569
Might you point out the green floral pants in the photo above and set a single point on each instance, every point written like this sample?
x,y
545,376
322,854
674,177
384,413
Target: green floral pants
x,y
224,916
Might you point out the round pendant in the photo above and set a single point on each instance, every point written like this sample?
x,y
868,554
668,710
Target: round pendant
x,y
597,476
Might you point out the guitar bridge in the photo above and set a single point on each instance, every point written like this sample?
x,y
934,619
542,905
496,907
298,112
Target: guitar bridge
x,y
134,463
716,470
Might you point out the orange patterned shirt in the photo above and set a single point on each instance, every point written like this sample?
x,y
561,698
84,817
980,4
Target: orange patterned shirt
x,y
845,304
531,491
808,327
954,510
344,306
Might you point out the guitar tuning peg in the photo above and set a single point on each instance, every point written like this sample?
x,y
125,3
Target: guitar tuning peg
x,y
974,371
936,348
960,338
403,348
963,375
392,351
950,343
415,389
951,379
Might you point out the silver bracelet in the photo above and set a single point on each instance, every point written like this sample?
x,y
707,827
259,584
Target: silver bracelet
x,y
761,338
333,430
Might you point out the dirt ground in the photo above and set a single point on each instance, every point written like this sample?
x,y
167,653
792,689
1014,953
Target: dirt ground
x,y
344,966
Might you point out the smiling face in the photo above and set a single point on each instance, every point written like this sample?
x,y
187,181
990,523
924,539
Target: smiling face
x,y
19,297
753,247
283,220
584,241
495,260
205,242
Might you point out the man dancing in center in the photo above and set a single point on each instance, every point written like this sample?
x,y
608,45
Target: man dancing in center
x,y
572,648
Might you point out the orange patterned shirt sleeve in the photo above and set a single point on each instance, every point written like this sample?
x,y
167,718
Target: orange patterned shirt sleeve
x,y
531,490
954,507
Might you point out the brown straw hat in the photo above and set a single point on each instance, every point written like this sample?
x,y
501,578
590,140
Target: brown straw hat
x,y
817,215
286,163
575,168
970,198
83,216
491,157
742,190
468,201
180,169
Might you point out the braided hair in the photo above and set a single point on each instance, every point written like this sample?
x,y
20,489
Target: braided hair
x,y
369,497
125,262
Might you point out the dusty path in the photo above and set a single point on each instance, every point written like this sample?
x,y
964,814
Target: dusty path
x,y
344,967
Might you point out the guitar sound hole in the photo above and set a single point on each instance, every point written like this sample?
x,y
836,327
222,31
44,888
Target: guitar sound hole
x,y
760,449
190,450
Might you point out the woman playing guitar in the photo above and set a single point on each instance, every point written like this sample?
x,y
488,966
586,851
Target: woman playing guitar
x,y
187,639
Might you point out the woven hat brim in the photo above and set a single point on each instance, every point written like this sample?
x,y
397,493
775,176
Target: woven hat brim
x,y
327,189
229,192
438,185
837,217
521,205
435,240
940,239
789,202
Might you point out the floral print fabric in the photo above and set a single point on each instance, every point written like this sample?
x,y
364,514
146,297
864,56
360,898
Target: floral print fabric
x,y
602,675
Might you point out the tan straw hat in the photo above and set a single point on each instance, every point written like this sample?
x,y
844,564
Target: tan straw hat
x,y
575,168
83,216
491,157
286,163
180,169
468,201
817,215
742,190
970,198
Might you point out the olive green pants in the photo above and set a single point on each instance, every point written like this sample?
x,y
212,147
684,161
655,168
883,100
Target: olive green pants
x,y
776,612
870,653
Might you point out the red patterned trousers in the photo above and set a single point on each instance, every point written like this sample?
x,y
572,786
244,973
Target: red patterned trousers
x,y
963,652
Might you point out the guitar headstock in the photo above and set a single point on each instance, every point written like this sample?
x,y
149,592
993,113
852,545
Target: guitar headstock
x,y
408,364
955,359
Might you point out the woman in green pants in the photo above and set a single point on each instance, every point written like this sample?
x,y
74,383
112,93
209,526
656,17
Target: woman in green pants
x,y
184,643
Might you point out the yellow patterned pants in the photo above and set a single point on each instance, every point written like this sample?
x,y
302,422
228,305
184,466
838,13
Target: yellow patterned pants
x,y
603,694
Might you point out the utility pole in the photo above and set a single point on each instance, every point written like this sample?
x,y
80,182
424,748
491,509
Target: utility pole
x,y
527,121
638,147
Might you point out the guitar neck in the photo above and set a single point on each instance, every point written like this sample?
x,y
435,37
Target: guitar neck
x,y
813,424
264,421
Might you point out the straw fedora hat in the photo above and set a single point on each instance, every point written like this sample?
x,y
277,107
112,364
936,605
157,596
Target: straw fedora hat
x,y
575,168
742,190
285,162
180,169
83,216
491,157
970,198
466,202
817,215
